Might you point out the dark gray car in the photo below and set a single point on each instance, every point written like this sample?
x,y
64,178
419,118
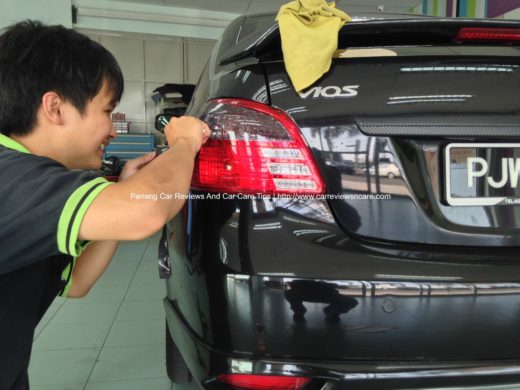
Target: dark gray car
x,y
288,271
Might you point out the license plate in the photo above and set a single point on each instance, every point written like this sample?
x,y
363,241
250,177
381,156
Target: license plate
x,y
482,174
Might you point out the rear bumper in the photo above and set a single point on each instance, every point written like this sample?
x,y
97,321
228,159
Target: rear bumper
x,y
400,351
206,363
286,292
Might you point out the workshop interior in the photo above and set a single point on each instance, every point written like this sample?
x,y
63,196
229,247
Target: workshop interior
x,y
353,221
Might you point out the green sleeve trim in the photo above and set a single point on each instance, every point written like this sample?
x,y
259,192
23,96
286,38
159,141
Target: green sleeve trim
x,y
72,215
12,144
68,272
67,275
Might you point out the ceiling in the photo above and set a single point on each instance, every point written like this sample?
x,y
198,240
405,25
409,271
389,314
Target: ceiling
x,y
253,6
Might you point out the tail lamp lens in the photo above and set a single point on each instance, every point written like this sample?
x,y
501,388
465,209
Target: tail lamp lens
x,y
488,34
264,382
254,149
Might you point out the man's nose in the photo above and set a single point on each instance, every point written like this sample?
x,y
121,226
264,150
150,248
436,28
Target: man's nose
x,y
113,132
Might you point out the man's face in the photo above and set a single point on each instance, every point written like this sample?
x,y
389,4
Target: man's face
x,y
88,134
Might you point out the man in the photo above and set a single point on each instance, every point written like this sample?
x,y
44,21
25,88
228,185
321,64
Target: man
x,y
59,224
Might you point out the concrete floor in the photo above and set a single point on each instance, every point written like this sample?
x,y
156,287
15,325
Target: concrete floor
x,y
113,338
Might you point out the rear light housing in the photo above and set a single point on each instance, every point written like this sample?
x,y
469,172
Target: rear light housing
x,y
264,382
479,34
254,149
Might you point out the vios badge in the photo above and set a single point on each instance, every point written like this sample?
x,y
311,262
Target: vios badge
x,y
331,91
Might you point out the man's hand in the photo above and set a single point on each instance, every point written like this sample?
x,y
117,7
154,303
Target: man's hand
x,y
189,128
125,210
132,166
195,131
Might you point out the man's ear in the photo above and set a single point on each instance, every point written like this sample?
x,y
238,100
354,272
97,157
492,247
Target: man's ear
x,y
52,105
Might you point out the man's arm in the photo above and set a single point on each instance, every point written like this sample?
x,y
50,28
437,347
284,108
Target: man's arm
x,y
128,210
90,265
178,163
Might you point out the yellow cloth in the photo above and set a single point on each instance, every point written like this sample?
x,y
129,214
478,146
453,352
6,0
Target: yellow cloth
x,y
309,31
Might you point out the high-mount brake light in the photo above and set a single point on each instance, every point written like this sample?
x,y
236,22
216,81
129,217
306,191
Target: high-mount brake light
x,y
480,34
254,149
264,382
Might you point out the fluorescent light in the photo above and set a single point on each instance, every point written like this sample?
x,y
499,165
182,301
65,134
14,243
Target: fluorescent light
x,y
151,17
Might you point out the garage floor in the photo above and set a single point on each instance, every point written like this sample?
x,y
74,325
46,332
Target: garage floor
x,y
113,338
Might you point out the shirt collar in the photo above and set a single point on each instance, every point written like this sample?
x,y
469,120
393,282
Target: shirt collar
x,y
12,144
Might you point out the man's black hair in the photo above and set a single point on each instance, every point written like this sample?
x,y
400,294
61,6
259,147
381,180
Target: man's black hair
x,y
35,59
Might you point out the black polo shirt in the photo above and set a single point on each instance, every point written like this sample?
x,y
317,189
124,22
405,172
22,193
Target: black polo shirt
x,y
42,205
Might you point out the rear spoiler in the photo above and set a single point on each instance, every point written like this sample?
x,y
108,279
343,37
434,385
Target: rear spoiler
x,y
418,30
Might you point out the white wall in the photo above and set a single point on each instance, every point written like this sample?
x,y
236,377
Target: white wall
x,y
418,9
513,14
47,11
183,22
480,11
188,22
148,62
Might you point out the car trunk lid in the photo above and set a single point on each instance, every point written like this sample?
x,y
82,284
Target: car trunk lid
x,y
397,138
